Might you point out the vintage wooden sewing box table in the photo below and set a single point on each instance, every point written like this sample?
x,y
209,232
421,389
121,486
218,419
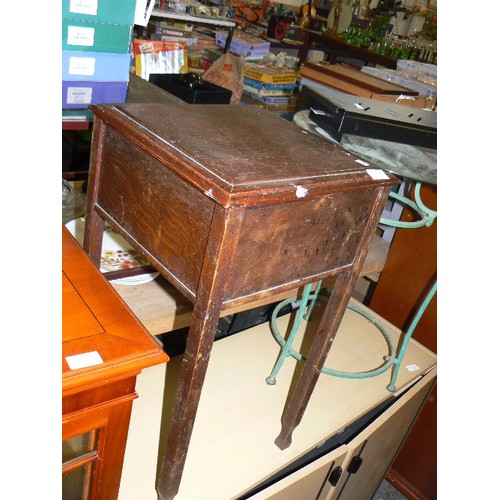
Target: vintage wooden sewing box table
x,y
231,204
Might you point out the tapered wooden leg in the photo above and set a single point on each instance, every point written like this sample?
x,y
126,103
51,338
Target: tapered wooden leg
x,y
193,370
329,324
316,358
94,223
206,313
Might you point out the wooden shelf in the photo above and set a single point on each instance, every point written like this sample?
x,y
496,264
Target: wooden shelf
x,y
181,16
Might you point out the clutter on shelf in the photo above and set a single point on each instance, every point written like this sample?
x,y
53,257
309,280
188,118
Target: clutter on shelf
x,y
244,44
158,56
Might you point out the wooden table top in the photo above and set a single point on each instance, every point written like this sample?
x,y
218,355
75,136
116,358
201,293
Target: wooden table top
x,y
229,154
97,324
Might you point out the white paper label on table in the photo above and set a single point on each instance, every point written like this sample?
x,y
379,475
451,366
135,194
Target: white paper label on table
x,y
84,360
412,368
377,174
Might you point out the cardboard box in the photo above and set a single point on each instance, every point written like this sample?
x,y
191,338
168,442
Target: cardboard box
x,y
339,113
90,36
95,66
281,109
208,94
101,11
80,95
243,44
269,74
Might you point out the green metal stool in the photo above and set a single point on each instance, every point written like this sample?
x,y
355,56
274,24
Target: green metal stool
x,y
309,297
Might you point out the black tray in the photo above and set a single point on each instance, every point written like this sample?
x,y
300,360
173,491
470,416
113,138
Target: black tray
x,y
344,118
208,94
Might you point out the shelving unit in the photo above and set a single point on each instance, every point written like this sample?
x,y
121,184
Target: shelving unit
x,y
211,21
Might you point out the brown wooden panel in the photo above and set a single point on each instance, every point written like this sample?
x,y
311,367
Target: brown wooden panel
x,y
296,241
168,216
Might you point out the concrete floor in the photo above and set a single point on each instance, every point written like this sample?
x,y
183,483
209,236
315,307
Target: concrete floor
x,y
386,491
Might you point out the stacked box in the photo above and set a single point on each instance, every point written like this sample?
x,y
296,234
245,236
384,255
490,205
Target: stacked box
x,y
269,74
196,52
157,29
209,56
269,84
101,11
159,56
96,60
244,44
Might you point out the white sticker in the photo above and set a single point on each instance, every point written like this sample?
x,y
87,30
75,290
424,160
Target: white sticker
x,y
364,163
81,66
79,95
78,35
318,111
376,173
88,7
301,192
84,360
358,105
412,368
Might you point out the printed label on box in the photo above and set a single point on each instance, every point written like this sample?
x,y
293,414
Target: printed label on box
x,y
88,7
78,35
82,66
79,95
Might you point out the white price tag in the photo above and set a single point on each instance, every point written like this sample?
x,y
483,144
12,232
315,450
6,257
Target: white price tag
x,y
84,360
377,174
88,7
412,368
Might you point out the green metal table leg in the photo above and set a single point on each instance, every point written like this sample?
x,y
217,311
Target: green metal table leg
x,y
397,363
286,347
427,215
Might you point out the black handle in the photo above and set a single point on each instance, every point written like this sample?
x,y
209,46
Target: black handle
x,y
335,475
355,464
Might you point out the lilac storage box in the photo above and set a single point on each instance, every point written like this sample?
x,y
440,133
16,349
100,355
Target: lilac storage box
x,y
80,95
80,66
